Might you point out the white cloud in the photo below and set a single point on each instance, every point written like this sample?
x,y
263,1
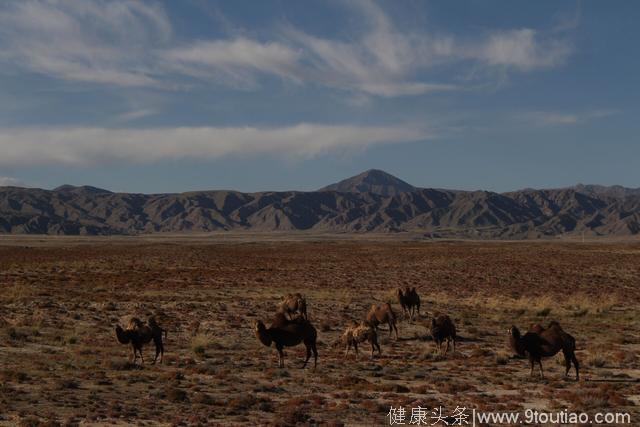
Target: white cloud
x,y
6,181
233,61
84,146
89,41
130,43
136,114
523,49
555,118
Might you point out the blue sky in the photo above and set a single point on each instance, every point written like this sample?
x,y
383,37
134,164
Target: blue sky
x,y
152,96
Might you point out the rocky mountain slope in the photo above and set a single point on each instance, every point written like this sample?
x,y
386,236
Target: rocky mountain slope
x,y
373,201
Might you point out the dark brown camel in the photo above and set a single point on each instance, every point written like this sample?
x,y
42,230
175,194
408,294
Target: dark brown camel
x,y
288,333
138,334
382,313
540,342
443,329
409,300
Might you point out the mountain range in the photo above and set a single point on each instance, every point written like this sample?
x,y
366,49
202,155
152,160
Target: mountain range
x,y
373,201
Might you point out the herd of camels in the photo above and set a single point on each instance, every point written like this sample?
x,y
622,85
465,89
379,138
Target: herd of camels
x,y
291,326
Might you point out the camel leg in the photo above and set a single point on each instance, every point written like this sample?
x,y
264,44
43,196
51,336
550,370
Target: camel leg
x,y
280,357
576,365
308,355
446,350
395,328
141,357
540,364
135,356
355,347
454,345
347,350
567,363
532,365
315,356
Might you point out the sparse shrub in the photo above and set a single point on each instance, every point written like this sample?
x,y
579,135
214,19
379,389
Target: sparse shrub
x,y
266,406
325,327
67,383
544,312
175,394
581,312
202,398
15,335
597,361
502,360
14,376
121,365
200,343
31,421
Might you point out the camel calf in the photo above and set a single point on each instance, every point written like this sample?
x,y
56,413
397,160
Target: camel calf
x,y
360,333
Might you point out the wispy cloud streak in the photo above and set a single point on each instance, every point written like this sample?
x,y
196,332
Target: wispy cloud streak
x,y
130,44
85,145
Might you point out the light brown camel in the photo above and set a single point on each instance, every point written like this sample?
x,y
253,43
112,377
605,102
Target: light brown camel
x,y
294,305
382,313
360,333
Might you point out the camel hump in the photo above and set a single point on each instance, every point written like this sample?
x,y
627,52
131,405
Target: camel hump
x,y
554,324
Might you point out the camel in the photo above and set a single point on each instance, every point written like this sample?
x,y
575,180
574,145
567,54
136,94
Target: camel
x,y
443,329
540,342
359,333
138,334
288,333
409,300
294,304
382,313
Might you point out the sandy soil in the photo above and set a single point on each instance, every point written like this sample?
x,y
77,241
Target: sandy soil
x,y
61,299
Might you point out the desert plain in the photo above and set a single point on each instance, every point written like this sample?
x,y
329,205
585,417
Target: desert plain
x,y
61,298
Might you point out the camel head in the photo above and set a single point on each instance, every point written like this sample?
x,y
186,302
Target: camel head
x,y
515,341
261,333
122,335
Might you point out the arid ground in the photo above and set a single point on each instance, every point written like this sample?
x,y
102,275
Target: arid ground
x,y
61,299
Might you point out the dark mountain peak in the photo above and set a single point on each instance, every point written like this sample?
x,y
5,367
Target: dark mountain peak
x,y
87,189
617,191
372,181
